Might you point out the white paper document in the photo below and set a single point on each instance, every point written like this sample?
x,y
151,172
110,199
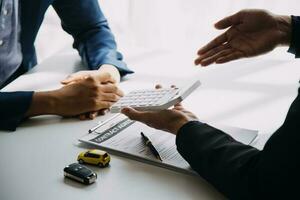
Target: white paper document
x,y
123,136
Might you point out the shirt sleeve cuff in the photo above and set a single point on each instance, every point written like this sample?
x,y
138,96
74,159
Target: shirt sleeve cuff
x,y
295,40
185,134
121,66
14,107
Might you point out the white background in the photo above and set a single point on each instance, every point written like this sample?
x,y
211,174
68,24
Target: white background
x,y
254,87
176,24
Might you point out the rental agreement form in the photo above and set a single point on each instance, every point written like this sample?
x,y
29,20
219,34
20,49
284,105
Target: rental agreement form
x,y
123,136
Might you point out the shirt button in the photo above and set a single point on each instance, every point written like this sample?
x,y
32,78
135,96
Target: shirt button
x,y
5,12
1,42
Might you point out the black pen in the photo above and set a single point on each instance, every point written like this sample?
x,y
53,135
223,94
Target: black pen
x,y
150,145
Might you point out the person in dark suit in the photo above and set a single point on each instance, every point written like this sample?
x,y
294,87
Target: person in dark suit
x,y
240,171
84,93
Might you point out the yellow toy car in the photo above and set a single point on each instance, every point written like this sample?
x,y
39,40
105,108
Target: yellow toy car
x,y
94,157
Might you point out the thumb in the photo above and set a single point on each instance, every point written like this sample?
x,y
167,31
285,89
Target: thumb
x,y
134,114
229,21
71,78
130,112
106,78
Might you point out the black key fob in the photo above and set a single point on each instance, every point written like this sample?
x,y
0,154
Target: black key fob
x,y
80,173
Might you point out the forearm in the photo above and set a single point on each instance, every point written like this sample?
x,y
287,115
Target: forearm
x,y
93,38
100,49
43,103
217,157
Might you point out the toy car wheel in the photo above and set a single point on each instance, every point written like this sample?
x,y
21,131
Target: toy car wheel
x,y
86,182
100,165
106,165
81,161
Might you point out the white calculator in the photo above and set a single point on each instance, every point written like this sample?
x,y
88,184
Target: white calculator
x,y
154,99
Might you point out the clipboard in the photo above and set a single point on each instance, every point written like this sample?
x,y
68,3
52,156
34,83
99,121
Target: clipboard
x,y
121,136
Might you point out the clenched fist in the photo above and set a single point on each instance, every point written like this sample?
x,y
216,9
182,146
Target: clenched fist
x,y
82,96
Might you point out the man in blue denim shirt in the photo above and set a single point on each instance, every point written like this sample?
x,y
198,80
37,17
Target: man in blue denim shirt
x,y
90,92
10,48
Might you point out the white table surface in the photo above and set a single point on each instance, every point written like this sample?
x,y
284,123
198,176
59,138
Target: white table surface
x,y
253,93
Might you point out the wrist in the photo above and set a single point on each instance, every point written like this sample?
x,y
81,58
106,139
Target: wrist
x,y
178,124
284,24
43,103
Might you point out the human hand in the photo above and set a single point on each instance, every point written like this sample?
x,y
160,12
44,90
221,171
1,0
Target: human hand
x,y
106,74
97,74
83,96
251,32
168,120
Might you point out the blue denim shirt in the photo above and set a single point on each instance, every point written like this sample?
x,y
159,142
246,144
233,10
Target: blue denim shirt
x,y
93,39
10,48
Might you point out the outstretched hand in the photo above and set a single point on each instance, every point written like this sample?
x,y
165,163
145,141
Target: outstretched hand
x,y
250,33
170,120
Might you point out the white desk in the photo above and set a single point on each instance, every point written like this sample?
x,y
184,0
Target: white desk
x,y
252,94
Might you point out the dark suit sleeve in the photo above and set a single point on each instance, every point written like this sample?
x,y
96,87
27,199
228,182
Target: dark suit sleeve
x,y
240,171
13,107
93,38
295,40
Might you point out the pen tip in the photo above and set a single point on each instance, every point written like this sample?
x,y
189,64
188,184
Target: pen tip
x,y
159,158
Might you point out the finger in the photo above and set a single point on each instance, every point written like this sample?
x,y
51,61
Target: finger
x,y
136,115
230,57
212,59
93,115
178,105
111,88
229,21
67,80
211,53
72,78
68,83
103,105
106,78
82,116
214,43
102,112
110,97
158,86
